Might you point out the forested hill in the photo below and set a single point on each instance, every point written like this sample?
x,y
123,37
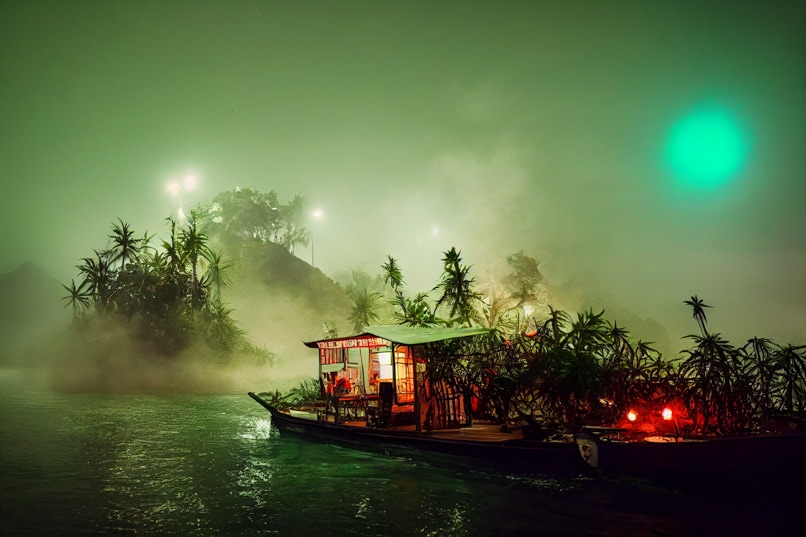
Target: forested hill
x,y
277,298
280,300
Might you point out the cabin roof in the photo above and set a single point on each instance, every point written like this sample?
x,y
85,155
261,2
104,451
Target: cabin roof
x,y
405,335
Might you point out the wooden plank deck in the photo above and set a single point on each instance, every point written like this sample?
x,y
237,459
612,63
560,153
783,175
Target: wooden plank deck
x,y
480,432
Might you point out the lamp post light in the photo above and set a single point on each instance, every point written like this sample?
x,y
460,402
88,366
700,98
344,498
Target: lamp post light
x,y
175,188
317,215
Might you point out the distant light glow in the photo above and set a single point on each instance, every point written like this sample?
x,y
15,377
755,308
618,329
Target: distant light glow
x,y
706,148
190,182
317,213
435,231
173,188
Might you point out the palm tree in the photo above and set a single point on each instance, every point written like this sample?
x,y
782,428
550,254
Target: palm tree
x,y
172,247
125,246
710,366
365,307
719,382
762,368
579,381
222,331
699,312
78,297
365,301
620,374
392,274
414,312
457,289
564,371
791,383
194,248
98,278
216,275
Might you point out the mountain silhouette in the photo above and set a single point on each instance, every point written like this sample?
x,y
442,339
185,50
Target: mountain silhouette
x,y
31,311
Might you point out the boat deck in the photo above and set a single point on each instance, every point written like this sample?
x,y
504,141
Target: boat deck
x,y
479,432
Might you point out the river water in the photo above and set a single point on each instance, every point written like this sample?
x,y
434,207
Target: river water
x,y
90,464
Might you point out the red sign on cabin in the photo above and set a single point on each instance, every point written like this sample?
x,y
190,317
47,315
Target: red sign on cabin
x,y
353,343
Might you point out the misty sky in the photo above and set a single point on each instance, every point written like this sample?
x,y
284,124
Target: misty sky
x,y
547,127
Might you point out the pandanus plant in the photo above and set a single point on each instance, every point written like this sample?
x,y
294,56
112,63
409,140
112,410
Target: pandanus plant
x,y
730,390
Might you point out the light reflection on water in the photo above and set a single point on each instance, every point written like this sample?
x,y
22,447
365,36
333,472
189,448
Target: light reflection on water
x,y
75,464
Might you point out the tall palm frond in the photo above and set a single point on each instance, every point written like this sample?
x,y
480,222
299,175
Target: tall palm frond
x,y
699,312
78,297
125,246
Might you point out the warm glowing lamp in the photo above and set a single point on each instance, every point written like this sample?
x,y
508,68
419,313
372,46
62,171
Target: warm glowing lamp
x,y
631,415
666,413
385,361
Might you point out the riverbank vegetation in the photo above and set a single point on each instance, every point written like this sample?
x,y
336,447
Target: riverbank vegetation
x,y
559,371
166,297
166,294
142,303
545,367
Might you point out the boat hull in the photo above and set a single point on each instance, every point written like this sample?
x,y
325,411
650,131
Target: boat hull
x,y
548,458
768,459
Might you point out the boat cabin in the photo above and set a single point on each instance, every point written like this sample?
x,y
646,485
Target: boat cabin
x,y
380,377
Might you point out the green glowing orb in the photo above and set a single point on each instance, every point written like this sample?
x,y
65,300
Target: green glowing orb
x,y
706,148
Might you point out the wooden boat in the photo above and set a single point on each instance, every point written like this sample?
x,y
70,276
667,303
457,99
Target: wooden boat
x,y
377,394
476,446
382,398
773,458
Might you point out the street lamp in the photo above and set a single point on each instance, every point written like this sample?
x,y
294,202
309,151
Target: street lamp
x,y
317,215
175,188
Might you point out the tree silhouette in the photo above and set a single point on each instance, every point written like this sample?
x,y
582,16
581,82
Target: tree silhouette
x,y
125,246
78,297
524,278
698,307
216,276
457,289
791,381
365,300
163,296
194,248
392,274
98,278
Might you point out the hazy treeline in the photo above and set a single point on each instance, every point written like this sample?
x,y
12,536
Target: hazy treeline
x,y
557,370
154,314
221,296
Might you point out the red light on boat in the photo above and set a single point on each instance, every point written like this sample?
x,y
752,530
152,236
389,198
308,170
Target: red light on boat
x,y
631,415
666,413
